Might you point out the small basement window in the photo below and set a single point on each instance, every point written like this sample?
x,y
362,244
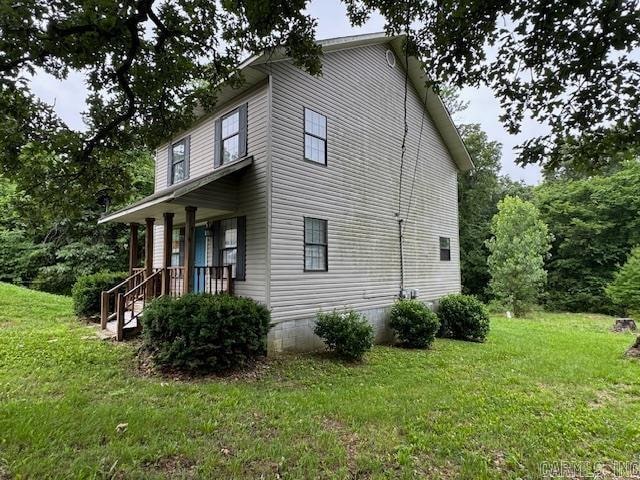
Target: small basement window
x,y
315,245
315,137
445,249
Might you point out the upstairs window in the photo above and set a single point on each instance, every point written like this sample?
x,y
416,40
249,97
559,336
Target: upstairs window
x,y
315,137
231,136
445,249
315,245
178,161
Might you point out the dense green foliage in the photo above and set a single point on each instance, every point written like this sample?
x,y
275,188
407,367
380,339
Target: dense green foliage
x,y
149,67
348,334
49,249
414,323
549,386
201,333
595,223
87,291
624,290
581,60
518,248
480,190
463,317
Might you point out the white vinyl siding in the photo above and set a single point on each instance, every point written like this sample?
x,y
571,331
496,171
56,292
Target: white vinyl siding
x,y
362,99
244,195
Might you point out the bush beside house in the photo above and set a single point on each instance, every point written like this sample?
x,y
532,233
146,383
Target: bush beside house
x,y
463,317
414,323
87,291
201,333
348,334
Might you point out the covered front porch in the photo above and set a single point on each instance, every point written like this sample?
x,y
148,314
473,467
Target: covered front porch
x,y
188,262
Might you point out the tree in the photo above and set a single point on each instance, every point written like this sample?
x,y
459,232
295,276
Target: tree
x,y
479,192
518,247
572,65
624,290
595,223
150,67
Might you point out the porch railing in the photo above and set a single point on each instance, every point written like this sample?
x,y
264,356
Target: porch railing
x,y
108,299
126,301
205,280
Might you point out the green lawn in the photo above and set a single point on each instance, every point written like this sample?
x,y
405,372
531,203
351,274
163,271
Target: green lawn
x,y
553,387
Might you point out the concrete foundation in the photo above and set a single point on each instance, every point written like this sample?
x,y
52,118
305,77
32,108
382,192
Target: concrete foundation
x,y
297,335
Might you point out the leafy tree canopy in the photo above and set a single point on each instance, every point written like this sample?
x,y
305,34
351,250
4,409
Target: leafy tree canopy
x,y
595,223
624,291
573,65
518,247
149,65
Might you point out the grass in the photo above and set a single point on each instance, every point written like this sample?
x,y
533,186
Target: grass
x,y
549,388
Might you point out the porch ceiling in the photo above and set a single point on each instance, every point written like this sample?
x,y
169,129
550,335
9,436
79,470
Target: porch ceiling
x,y
176,198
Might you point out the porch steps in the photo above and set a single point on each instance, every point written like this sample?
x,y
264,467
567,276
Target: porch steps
x,y
131,325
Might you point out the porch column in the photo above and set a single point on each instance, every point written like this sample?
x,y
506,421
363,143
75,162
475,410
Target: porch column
x,y
189,248
133,247
148,247
166,252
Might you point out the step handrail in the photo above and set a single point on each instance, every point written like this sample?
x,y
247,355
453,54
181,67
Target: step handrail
x,y
105,297
145,291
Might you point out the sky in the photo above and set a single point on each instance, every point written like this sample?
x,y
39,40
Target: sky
x,y
69,96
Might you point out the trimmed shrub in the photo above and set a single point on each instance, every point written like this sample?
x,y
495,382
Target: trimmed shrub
x,y
87,289
200,333
414,323
463,317
347,334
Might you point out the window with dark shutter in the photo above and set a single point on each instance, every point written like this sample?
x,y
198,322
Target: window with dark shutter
x,y
445,249
315,245
231,136
229,245
315,137
178,161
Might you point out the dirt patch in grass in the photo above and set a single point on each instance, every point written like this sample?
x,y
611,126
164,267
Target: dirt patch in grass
x,y
254,371
348,438
172,466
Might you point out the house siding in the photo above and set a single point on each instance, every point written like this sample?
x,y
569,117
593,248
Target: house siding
x,y
357,192
245,195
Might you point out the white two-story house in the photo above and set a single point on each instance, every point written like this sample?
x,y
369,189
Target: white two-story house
x,y
294,192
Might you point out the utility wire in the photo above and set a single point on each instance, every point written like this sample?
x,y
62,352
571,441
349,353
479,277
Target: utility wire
x,y
415,166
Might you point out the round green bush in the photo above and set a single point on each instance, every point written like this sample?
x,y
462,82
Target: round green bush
x,y
414,323
463,317
201,333
348,334
87,290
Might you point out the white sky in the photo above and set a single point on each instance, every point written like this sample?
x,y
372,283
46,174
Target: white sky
x,y
69,96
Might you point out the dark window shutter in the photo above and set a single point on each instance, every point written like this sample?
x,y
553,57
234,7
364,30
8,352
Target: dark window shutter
x,y
187,156
243,110
216,243
242,248
217,154
169,164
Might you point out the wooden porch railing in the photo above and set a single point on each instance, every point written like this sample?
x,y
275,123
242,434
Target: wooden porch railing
x,y
205,280
134,301
108,298
126,301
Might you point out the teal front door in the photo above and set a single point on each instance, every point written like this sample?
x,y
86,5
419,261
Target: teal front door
x,y
200,260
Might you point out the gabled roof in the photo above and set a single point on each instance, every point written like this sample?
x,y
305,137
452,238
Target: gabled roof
x,y
436,109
